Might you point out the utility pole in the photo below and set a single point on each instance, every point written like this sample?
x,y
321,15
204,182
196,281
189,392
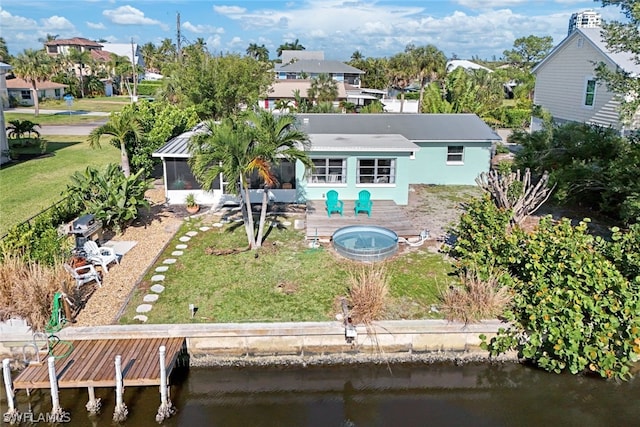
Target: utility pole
x,y
134,96
178,38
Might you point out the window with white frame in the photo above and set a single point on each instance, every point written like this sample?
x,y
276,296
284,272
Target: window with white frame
x,y
455,154
590,93
376,171
329,170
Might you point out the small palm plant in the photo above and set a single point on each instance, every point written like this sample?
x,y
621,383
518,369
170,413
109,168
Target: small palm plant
x,y
192,204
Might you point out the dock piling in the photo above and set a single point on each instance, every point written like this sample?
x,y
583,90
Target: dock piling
x,y
166,408
56,410
93,405
121,411
12,415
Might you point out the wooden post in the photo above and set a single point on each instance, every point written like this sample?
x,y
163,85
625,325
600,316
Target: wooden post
x,y
12,416
165,410
121,411
93,405
56,410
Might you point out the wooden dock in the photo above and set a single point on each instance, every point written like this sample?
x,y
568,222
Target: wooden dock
x,y
385,213
91,364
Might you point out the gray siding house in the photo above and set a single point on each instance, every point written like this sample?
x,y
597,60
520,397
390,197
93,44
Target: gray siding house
x,y
566,85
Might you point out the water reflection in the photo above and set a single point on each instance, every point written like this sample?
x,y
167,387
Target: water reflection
x,y
348,396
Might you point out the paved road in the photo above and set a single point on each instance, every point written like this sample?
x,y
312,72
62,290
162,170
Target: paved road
x,y
76,129
73,112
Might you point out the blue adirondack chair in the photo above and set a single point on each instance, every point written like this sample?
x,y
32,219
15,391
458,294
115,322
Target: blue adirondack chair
x,y
333,203
364,203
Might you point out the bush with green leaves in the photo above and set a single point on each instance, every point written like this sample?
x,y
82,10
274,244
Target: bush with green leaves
x,y
38,239
572,308
110,196
481,239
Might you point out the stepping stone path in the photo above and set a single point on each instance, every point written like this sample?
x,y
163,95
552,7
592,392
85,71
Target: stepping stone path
x,y
158,289
181,247
204,228
217,224
150,298
140,317
184,238
191,233
157,278
177,253
162,269
169,261
286,223
144,308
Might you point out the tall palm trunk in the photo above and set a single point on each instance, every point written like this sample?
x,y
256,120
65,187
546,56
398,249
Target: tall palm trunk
x,y
124,160
36,101
81,82
248,215
263,215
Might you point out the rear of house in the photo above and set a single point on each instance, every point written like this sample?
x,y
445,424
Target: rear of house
x,y
382,153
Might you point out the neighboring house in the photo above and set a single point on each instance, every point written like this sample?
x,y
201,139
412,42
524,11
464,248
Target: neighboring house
x,y
295,65
383,153
567,87
62,46
285,90
128,50
21,90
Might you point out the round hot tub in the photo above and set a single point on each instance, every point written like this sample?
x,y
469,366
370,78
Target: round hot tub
x,y
366,243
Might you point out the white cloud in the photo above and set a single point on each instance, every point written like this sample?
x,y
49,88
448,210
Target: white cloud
x,y
128,15
229,10
490,4
201,29
57,23
13,22
96,25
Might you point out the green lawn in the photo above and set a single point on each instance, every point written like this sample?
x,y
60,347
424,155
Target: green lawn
x,y
53,119
27,188
106,104
283,281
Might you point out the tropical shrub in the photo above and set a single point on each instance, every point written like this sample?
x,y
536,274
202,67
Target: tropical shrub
x,y
110,196
38,240
572,308
18,128
481,241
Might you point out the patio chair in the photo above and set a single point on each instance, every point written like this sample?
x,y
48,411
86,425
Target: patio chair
x,y
102,256
333,203
364,203
84,274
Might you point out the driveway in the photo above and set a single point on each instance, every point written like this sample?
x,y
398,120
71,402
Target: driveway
x,y
80,129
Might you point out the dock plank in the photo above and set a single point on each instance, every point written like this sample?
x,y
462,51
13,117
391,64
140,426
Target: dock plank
x,y
91,364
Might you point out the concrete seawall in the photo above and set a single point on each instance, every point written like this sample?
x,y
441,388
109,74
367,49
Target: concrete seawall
x,y
211,343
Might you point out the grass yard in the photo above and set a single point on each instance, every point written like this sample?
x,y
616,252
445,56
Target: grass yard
x,y
28,187
53,119
283,281
105,104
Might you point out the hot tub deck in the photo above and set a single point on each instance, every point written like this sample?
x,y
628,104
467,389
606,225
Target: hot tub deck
x,y
385,213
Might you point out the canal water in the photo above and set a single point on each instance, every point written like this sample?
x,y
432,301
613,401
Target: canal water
x,y
441,394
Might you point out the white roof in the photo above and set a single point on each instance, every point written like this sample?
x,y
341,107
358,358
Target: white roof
x,y
467,65
122,49
361,142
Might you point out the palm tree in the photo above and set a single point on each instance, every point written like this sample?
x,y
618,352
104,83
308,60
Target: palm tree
x,y
225,149
289,46
276,139
32,66
428,64
323,88
81,58
149,55
399,74
48,38
122,127
261,53
4,51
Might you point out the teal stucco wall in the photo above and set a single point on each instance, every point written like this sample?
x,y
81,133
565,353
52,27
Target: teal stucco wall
x,y
430,165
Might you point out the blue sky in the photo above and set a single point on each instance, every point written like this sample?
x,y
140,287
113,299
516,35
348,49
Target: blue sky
x,y
466,28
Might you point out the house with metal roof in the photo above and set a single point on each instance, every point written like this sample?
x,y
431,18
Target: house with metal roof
x,y
567,87
300,64
382,153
